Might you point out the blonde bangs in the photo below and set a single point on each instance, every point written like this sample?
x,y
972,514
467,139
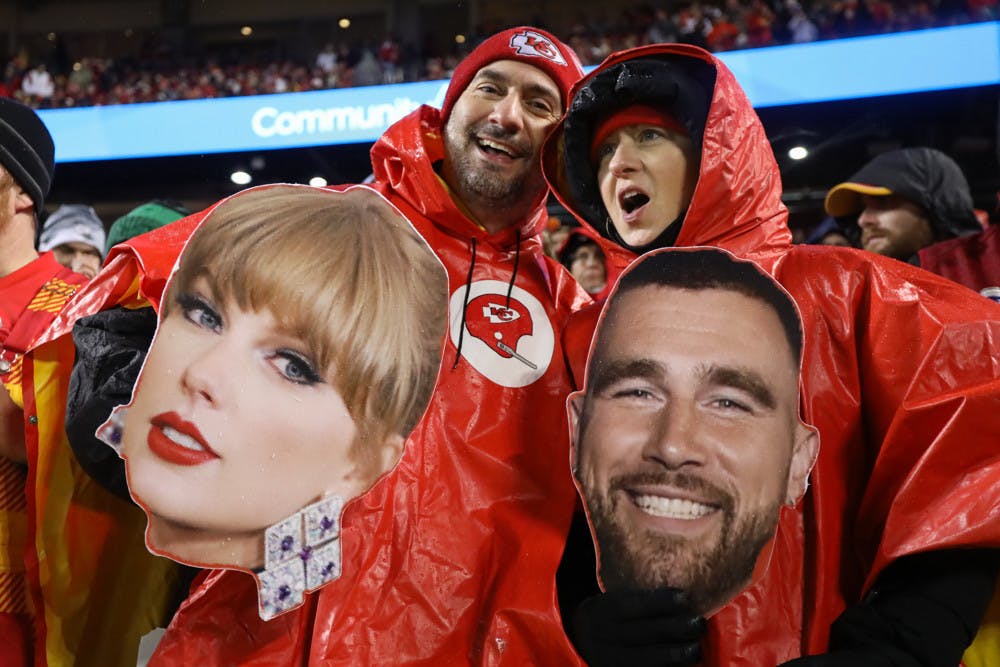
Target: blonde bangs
x,y
347,275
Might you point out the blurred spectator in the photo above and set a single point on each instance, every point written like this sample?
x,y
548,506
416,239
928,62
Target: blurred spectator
x,y
583,257
38,83
554,235
388,60
326,59
906,200
75,235
800,27
758,24
724,35
367,72
144,218
915,205
33,288
828,232
662,30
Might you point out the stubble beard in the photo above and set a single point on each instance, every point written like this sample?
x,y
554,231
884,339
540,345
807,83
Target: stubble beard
x,y
711,573
479,180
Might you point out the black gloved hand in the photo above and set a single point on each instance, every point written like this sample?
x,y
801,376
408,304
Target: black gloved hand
x,y
638,629
923,611
111,347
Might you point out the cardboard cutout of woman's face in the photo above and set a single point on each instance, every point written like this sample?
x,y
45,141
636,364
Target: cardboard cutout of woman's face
x,y
239,443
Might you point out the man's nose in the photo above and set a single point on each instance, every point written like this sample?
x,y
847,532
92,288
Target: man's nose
x,y
675,441
507,112
867,218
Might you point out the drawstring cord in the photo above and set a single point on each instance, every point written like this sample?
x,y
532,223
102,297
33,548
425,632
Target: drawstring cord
x,y
465,305
517,260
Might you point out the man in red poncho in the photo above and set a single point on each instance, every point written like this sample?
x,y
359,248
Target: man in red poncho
x,y
33,288
891,556
452,557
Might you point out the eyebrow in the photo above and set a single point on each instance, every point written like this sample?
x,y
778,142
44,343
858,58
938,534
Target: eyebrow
x,y
743,379
608,373
531,88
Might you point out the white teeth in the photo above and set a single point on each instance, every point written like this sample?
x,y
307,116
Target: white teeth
x,y
672,508
182,439
496,147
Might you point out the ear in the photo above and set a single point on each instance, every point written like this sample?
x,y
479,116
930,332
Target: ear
x,y
574,410
22,201
803,458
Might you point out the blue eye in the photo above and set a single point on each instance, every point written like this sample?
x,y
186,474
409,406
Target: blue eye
x,y
200,312
650,133
606,150
296,368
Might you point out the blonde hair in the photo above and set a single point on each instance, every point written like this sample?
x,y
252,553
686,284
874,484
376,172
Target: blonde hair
x,y
345,273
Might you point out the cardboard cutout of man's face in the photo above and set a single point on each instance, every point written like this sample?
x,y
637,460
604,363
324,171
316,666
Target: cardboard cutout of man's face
x,y
687,441
241,444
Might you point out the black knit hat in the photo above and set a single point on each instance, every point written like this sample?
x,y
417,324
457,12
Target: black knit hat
x,y
26,149
680,86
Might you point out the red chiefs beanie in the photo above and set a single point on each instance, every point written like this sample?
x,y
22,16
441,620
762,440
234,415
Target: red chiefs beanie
x,y
525,44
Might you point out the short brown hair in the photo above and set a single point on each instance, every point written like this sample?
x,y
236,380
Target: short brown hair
x,y
345,272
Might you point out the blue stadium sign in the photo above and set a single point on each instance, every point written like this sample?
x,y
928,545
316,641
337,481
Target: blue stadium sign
x,y
925,60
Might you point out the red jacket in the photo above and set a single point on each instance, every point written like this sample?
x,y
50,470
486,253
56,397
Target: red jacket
x,y
895,377
30,297
451,558
973,261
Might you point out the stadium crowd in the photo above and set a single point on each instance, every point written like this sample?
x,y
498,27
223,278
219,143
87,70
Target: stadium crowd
x,y
881,543
159,74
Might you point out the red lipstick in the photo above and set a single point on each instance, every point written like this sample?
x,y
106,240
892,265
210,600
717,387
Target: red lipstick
x,y
172,451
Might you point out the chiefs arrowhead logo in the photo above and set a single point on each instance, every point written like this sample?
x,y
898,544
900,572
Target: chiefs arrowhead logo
x,y
496,313
501,326
508,339
531,43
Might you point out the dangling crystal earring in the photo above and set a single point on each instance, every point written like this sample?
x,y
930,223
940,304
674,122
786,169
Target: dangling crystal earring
x,y
301,553
110,432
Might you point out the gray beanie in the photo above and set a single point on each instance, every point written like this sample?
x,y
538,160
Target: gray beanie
x,y
26,149
72,223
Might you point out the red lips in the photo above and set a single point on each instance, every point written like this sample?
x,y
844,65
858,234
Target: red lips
x,y
173,452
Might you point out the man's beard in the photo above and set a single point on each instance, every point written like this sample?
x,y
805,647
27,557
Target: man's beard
x,y
712,574
480,180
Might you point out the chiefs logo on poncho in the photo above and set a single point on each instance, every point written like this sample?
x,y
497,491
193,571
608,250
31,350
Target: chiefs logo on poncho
x,y
500,322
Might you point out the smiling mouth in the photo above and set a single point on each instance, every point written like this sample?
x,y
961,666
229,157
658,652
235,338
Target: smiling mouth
x,y
178,441
672,508
489,146
182,439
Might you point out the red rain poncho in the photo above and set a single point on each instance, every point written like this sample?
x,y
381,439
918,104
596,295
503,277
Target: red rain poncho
x,y
900,375
451,558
